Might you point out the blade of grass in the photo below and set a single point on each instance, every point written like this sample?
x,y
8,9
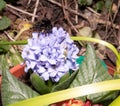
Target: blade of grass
x,y
50,98
22,42
116,102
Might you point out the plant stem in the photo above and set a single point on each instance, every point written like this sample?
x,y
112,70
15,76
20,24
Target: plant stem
x,y
22,42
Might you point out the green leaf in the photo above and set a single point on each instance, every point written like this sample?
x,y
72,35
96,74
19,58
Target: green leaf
x,y
13,90
1,60
4,22
15,57
92,71
64,77
82,2
39,84
64,83
4,49
108,4
2,4
99,6
89,2
85,2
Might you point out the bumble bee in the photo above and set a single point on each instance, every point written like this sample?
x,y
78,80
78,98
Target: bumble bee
x,y
43,26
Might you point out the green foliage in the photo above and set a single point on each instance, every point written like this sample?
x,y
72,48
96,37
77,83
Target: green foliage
x,y
64,77
4,22
85,2
44,87
108,4
12,55
2,4
101,5
98,5
13,90
4,49
39,84
15,58
64,83
92,71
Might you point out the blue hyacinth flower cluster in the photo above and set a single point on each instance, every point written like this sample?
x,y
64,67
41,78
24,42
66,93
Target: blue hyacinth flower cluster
x,y
50,55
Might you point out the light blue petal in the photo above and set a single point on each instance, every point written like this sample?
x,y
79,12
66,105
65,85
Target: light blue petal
x,y
47,65
50,70
60,69
45,76
31,56
54,30
66,68
41,70
53,74
30,42
26,69
35,35
43,58
60,74
69,41
43,42
52,62
68,63
61,56
56,79
32,64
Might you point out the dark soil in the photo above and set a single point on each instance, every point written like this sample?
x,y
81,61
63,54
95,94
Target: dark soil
x,y
67,14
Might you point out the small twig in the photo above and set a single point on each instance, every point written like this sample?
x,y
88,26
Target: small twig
x,y
22,11
69,9
107,23
76,8
29,2
83,16
9,36
90,9
66,15
116,11
35,10
13,12
54,2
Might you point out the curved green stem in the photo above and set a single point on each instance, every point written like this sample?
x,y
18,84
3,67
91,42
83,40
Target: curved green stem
x,y
110,46
22,42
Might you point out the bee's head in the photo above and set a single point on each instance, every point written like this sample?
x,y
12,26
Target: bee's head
x,y
43,26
